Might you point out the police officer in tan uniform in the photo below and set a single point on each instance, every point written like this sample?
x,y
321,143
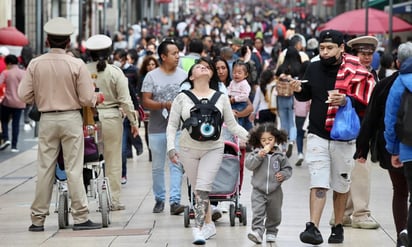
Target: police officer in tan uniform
x,y
59,85
357,211
114,85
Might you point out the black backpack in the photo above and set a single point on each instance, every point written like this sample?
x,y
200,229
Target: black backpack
x,y
403,123
205,122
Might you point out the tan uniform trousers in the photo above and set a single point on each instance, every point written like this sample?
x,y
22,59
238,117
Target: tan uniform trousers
x,y
359,193
112,129
65,128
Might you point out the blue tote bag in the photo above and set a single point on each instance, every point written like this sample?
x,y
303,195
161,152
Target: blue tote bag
x,y
347,124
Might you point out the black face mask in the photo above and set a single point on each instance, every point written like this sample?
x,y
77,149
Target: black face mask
x,y
328,61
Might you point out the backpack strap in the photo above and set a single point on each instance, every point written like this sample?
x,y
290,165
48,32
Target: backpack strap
x,y
191,96
187,123
215,97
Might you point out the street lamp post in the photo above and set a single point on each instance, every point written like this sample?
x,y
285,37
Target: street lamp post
x,y
390,25
39,27
366,17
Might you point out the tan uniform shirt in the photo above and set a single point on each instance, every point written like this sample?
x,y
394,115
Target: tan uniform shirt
x,y
114,85
55,89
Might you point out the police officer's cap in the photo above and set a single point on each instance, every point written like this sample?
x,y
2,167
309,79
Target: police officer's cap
x,y
59,27
363,43
98,42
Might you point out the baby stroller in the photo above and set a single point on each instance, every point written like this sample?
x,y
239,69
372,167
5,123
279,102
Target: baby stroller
x,y
226,186
96,184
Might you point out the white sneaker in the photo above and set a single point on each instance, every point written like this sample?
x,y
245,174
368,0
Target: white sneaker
x,y
216,213
198,238
27,127
14,150
208,230
255,237
271,238
123,180
300,159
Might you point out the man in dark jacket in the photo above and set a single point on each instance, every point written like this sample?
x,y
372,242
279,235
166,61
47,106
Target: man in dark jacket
x,y
329,161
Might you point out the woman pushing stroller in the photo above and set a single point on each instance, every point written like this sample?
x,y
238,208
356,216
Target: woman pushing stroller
x,y
201,156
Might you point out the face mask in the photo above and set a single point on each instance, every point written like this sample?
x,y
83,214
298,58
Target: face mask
x,y
117,64
126,65
328,61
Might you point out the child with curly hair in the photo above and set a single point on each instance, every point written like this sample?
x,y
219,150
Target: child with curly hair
x,y
270,168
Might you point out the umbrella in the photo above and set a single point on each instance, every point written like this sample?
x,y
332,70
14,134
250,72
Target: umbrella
x,y
12,36
353,22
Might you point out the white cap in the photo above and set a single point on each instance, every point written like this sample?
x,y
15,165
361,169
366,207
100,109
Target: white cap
x,y
4,51
59,27
98,42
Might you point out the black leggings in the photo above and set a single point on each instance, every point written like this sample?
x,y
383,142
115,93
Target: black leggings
x,y
408,173
399,199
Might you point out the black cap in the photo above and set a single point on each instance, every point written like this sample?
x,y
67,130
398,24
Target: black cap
x,y
332,36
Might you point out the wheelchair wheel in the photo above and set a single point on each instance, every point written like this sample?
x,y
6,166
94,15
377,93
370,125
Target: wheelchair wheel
x,y
232,214
186,216
104,208
63,210
93,189
243,215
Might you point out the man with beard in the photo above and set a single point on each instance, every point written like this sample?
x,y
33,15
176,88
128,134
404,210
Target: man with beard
x,y
330,161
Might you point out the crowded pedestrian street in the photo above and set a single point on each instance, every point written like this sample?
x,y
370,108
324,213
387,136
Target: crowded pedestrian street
x,y
138,226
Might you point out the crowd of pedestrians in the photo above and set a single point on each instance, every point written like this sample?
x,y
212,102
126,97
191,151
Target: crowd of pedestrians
x,y
275,76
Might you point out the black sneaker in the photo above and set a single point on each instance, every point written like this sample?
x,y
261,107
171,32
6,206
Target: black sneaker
x,y
336,236
403,240
176,208
34,228
88,225
4,144
289,150
311,235
159,207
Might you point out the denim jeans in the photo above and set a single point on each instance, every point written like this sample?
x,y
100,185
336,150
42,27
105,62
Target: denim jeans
x,y
243,121
15,114
157,143
60,173
125,148
300,121
128,142
286,115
